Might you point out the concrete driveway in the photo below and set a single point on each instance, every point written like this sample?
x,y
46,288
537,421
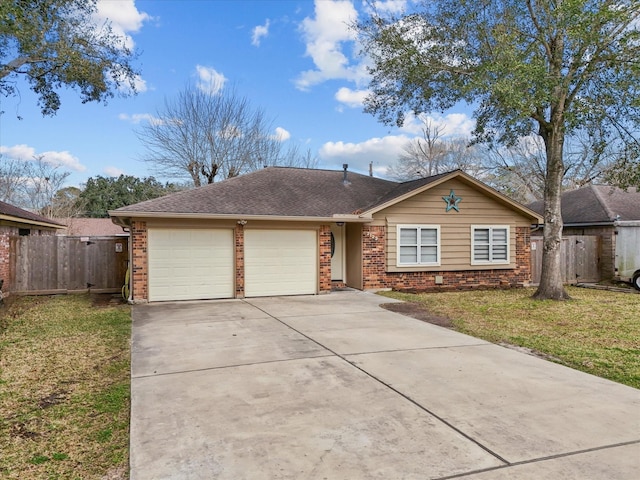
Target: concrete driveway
x,y
335,387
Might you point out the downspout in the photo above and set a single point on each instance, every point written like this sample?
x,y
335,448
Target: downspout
x,y
129,265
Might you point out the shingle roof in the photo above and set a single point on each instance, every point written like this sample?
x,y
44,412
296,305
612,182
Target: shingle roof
x,y
90,227
13,211
288,192
281,191
597,204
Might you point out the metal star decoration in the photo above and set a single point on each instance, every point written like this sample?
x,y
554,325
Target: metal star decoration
x,y
452,201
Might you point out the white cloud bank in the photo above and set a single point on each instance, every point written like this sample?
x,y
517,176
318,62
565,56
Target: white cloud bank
x,y
325,36
123,16
351,98
282,135
384,151
209,79
259,32
138,118
26,153
112,171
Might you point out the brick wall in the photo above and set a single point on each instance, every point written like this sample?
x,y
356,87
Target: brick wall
x,y
375,275
325,258
5,257
239,242
139,265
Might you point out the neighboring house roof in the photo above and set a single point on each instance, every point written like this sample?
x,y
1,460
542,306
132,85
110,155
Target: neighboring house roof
x,y
91,227
286,192
15,214
597,205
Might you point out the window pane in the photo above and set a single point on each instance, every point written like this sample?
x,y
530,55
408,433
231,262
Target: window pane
x,y
429,254
481,253
499,252
481,235
500,235
428,236
408,254
408,236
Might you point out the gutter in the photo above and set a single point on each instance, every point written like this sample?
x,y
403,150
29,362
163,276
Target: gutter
x,y
124,218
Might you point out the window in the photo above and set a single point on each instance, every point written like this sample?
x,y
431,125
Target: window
x,y
490,244
418,245
24,232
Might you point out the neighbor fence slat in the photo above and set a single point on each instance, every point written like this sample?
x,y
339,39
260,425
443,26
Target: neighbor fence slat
x,y
579,259
46,264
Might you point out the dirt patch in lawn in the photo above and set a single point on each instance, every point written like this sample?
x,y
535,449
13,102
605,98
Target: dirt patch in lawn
x,y
106,299
419,312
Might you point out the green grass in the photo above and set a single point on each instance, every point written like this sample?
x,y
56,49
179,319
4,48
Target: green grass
x,y
597,331
64,389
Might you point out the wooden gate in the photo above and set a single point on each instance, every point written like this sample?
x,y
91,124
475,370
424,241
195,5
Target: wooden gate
x,y
60,264
579,257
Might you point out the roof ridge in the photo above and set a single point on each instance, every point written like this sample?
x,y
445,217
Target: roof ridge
x,y
602,201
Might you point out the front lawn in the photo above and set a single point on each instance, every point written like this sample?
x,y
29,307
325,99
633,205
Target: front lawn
x,y
64,389
597,332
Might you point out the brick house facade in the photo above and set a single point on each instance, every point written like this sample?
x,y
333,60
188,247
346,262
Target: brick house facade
x,y
368,239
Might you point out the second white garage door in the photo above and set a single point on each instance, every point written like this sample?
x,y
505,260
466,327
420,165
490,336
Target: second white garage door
x,y
190,264
280,262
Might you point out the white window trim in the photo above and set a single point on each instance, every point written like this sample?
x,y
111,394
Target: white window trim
x,y
418,264
491,228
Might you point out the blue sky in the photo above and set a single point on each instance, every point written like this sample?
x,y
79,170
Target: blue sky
x,y
295,59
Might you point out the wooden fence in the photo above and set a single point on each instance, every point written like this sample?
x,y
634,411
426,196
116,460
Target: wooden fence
x,y
59,264
580,257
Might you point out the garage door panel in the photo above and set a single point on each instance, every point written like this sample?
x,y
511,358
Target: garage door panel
x,y
190,264
281,262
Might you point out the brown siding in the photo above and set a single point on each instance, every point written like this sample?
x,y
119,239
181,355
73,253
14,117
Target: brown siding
x,y
455,227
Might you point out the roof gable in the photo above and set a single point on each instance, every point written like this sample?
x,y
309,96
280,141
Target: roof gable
x,y
409,189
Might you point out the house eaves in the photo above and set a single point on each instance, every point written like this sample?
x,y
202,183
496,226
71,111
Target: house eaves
x,y
30,223
124,218
499,197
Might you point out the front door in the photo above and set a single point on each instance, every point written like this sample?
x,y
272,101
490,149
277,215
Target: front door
x,y
337,252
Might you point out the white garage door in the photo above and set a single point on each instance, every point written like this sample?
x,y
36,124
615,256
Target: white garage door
x,y
190,264
280,262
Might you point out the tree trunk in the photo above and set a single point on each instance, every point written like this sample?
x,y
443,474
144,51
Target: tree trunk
x,y
551,286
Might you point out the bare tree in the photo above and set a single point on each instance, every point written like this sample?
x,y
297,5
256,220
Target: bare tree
x,y
31,184
519,170
204,137
431,154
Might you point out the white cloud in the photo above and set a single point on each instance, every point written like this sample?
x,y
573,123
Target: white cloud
x,y
259,32
137,118
123,16
388,6
139,84
282,135
113,171
381,151
351,98
27,153
325,36
450,125
209,80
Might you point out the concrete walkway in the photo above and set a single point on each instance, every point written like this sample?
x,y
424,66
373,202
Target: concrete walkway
x,y
335,387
